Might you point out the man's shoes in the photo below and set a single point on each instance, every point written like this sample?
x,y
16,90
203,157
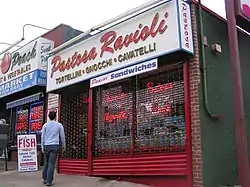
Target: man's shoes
x,y
49,184
44,182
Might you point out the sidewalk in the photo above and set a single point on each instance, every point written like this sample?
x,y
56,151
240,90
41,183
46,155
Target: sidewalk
x,y
33,179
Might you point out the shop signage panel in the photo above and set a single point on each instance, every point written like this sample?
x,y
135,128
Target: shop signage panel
x,y
27,153
37,77
21,63
243,14
36,118
124,73
161,30
53,104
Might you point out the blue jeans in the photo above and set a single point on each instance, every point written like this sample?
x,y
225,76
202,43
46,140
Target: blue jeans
x,y
50,155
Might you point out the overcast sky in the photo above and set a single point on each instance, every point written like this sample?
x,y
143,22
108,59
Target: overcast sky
x,y
79,14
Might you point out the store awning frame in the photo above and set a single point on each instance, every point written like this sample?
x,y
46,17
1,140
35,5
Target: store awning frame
x,y
25,100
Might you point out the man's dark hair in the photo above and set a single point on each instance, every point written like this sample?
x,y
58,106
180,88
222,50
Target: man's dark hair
x,y
52,115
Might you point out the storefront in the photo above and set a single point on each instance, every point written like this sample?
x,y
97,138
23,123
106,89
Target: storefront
x,y
22,90
124,99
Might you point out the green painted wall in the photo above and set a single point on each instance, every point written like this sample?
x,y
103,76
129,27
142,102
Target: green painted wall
x,y
245,69
218,139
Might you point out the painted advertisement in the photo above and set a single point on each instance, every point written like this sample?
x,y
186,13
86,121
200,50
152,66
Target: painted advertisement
x,y
158,31
27,153
25,67
124,73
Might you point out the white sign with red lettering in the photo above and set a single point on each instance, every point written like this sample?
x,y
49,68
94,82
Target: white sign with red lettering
x,y
27,153
53,101
161,30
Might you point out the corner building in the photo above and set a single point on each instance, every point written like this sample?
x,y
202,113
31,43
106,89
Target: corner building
x,y
123,96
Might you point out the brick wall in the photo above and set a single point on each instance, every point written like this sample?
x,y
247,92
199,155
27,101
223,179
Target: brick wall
x,y
194,76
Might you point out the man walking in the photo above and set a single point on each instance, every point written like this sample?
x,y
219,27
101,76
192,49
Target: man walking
x,y
51,131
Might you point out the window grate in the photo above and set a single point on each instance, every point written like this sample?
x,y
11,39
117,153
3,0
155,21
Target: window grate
x,y
74,110
140,114
160,120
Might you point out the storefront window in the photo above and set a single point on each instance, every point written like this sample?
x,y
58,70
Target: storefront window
x,y
144,113
36,118
113,124
27,119
160,111
22,120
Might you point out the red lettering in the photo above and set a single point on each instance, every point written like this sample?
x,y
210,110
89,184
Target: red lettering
x,y
112,117
113,43
109,98
85,100
158,88
33,142
35,126
75,60
107,39
20,142
165,109
21,126
27,143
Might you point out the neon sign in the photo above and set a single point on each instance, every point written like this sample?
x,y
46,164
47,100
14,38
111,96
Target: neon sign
x,y
159,88
108,98
156,109
112,117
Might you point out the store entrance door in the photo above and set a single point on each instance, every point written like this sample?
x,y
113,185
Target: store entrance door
x,y
74,117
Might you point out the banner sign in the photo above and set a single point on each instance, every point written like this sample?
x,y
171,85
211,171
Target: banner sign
x,y
37,77
159,31
25,67
27,153
125,73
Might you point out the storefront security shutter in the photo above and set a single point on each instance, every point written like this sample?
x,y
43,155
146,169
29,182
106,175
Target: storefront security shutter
x,y
113,118
140,114
160,120
74,113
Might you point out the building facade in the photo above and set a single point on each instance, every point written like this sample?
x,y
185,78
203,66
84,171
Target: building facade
x,y
124,98
172,122
149,100
23,85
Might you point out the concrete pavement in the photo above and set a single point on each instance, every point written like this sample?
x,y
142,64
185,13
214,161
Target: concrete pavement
x,y
33,179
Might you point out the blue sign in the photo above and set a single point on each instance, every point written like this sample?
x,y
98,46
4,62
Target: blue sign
x,y
37,77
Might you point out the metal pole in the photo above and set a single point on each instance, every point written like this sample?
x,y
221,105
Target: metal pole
x,y
5,159
239,113
31,25
12,45
4,43
22,39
